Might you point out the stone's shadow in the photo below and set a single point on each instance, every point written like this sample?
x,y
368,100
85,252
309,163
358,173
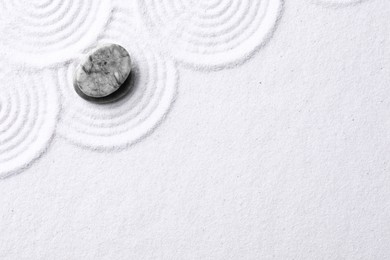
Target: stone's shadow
x,y
127,88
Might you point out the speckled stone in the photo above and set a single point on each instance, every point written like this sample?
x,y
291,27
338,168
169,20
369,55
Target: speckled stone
x,y
103,71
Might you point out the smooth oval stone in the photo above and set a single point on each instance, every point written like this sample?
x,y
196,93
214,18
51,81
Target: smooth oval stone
x,y
103,71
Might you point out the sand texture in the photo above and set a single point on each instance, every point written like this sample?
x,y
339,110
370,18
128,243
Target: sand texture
x,y
248,129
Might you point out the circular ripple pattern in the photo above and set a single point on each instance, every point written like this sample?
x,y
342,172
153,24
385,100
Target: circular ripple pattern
x,y
54,29
211,32
28,115
114,125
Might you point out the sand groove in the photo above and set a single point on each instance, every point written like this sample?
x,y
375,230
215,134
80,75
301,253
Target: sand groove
x,y
210,32
28,115
45,32
111,126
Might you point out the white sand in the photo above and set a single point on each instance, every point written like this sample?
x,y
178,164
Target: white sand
x,y
256,130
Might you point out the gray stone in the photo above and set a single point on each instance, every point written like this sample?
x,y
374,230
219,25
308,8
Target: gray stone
x,y
103,71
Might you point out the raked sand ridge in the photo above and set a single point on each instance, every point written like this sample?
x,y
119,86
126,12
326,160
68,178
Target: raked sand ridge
x,y
46,39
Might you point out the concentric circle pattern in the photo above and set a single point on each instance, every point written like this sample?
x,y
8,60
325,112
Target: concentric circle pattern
x,y
114,125
210,32
43,32
28,115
